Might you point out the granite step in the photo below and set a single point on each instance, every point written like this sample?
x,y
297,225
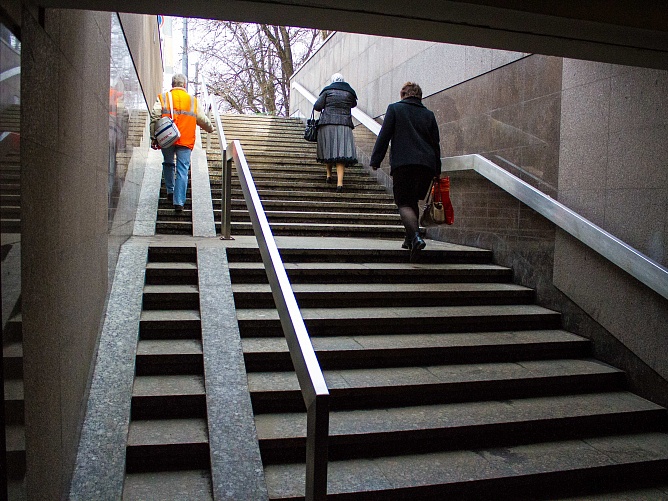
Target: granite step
x,y
168,397
12,359
379,295
358,349
184,484
173,228
172,254
171,273
282,184
169,320
402,320
167,444
318,217
15,442
166,297
320,229
378,272
273,392
518,472
363,256
169,356
315,197
14,401
308,205
468,425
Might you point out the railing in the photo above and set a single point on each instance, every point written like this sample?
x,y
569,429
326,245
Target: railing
x,y
311,380
639,266
226,171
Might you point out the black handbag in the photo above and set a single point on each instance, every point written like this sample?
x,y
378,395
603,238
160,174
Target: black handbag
x,y
311,131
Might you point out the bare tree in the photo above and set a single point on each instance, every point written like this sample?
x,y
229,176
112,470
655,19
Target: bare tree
x,y
248,66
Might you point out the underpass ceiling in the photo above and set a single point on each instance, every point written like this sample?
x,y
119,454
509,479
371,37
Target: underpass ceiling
x,y
615,31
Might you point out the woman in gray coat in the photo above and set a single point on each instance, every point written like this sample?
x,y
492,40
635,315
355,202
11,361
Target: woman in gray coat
x,y
336,144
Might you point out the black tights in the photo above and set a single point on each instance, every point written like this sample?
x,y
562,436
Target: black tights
x,y
409,217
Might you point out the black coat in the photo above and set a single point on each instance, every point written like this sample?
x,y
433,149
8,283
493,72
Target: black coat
x,y
334,103
413,130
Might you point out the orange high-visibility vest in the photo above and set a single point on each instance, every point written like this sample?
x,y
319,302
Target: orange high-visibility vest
x,y
185,115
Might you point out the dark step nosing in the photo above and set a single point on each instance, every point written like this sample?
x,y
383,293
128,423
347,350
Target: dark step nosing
x,y
538,467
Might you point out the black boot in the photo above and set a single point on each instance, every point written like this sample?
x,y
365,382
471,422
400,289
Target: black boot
x,y
417,244
407,243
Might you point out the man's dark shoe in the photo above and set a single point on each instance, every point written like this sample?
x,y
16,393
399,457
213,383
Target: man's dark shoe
x,y
178,208
407,243
417,244
170,198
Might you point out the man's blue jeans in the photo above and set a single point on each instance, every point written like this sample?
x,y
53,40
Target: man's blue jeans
x,y
176,175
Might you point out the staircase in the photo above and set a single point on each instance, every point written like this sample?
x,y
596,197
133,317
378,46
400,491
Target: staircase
x,y
12,335
447,381
292,185
167,453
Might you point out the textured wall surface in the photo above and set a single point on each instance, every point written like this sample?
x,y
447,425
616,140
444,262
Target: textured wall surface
x,y
64,156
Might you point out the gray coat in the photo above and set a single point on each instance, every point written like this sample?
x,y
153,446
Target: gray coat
x,y
335,106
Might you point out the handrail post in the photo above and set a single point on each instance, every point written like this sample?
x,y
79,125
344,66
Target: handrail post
x,y
226,197
317,449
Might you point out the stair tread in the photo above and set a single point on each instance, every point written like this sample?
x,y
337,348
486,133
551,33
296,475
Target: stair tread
x,y
400,313
434,375
167,432
460,467
171,289
13,349
149,386
169,315
171,266
383,289
455,415
413,341
325,266
169,347
171,485
14,389
15,437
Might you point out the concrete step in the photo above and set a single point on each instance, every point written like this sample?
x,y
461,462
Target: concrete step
x,y
385,273
173,228
358,349
155,321
404,386
379,295
10,226
314,196
467,425
320,185
167,444
168,357
519,472
168,397
402,320
165,297
176,485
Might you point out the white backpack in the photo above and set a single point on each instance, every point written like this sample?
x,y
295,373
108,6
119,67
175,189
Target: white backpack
x,y
166,131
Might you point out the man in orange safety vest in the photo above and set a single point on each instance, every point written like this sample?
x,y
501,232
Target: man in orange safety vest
x,y
184,110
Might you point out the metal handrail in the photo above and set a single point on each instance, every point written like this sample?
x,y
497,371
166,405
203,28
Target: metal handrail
x,y
635,263
226,174
311,380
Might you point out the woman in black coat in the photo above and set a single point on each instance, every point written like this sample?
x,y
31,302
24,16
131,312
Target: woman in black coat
x,y
336,144
415,158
